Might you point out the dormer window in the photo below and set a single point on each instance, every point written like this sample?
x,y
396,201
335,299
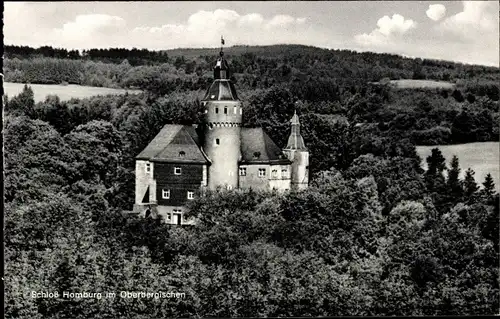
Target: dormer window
x,y
190,195
256,155
177,171
182,154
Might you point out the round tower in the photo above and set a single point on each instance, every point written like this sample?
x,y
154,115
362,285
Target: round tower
x,y
222,128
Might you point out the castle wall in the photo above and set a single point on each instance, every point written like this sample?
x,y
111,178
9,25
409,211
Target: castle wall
x,y
170,215
143,179
281,180
252,178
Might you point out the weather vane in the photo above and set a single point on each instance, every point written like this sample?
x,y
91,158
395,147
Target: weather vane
x,y
222,45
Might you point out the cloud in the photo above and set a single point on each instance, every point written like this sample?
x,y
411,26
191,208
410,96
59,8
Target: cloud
x,y
203,28
90,24
388,29
436,12
477,19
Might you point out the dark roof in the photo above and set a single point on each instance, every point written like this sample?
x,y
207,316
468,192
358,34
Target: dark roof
x,y
170,142
173,139
221,90
254,141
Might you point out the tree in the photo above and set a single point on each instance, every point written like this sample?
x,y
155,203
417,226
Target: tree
x,y
488,187
453,182
23,103
470,185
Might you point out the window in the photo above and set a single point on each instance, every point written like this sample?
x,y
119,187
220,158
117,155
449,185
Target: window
x,y
177,171
262,172
284,172
229,187
190,195
235,110
206,111
168,217
241,110
148,168
182,154
275,173
243,171
225,110
165,194
177,211
217,141
216,110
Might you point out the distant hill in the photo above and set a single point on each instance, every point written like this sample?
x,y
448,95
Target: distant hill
x,y
418,84
313,73
238,50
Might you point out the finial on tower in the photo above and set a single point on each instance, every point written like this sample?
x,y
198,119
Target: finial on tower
x,y
222,42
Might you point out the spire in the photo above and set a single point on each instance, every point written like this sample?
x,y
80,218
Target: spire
x,y
221,69
222,42
222,89
295,140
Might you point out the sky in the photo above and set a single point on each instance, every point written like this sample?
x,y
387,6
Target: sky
x,y
463,31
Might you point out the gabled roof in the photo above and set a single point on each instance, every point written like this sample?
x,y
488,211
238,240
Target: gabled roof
x,y
170,142
254,141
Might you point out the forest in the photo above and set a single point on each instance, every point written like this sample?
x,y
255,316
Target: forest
x,y
373,235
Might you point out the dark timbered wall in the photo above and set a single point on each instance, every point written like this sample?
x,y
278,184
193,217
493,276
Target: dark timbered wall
x,y
179,185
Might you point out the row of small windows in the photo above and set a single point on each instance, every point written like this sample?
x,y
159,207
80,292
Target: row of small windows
x,y
177,170
262,172
226,110
223,124
242,170
165,194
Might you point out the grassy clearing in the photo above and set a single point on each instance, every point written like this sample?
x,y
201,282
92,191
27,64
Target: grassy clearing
x,y
65,92
482,157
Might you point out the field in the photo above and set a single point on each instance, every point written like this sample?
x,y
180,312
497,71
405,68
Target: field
x,y
482,157
65,92
418,84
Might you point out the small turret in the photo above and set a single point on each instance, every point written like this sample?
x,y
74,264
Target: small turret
x,y
297,152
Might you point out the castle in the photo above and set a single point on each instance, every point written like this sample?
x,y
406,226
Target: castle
x,y
183,160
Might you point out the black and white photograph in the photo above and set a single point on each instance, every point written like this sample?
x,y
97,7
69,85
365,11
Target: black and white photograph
x,y
228,159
